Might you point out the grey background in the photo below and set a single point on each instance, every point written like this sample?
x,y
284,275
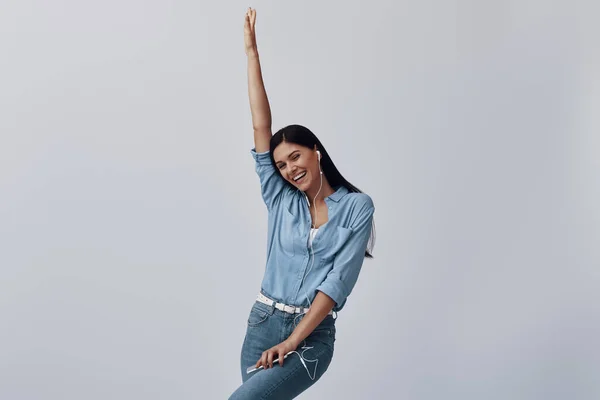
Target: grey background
x,y
132,233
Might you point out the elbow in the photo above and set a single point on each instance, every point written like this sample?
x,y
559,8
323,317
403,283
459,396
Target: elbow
x,y
262,123
262,128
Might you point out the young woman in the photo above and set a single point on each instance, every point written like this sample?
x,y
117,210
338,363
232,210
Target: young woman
x,y
320,229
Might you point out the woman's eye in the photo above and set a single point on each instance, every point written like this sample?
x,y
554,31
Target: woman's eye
x,y
296,157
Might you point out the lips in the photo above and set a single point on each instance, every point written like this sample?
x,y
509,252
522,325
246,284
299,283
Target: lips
x,y
302,176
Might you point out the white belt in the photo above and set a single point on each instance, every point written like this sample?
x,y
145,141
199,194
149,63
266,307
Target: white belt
x,y
283,307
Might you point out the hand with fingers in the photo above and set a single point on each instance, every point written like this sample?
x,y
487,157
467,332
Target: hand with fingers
x,y
278,351
249,32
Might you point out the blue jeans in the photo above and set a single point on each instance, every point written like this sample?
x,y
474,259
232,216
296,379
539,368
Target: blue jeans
x,y
267,327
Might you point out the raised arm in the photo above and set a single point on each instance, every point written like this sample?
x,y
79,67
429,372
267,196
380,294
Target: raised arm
x,y
259,103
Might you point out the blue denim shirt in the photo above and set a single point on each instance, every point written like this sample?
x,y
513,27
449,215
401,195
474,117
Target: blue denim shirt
x,y
339,246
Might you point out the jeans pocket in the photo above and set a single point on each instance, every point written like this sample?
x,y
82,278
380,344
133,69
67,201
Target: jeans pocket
x,y
324,333
257,316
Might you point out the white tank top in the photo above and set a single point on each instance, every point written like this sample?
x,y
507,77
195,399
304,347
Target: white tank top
x,y
311,237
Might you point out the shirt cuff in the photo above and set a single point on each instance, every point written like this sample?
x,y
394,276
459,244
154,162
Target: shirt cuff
x,y
334,288
261,158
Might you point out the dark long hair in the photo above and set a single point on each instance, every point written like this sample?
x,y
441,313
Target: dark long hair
x,y
303,136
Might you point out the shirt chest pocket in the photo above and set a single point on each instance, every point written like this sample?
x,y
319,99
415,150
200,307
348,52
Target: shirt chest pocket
x,y
333,241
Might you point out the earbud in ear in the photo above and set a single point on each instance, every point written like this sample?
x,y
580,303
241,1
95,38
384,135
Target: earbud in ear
x,y
319,158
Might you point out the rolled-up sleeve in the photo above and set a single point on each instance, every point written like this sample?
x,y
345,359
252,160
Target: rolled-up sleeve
x,y
271,183
348,261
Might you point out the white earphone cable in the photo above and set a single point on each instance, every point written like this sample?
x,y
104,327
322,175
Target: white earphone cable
x,y
312,258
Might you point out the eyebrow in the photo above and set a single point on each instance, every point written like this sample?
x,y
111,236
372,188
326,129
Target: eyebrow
x,y
289,155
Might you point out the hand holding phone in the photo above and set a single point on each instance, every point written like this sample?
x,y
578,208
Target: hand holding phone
x,y
255,368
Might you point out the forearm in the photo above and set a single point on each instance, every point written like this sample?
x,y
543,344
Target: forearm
x,y
259,103
319,309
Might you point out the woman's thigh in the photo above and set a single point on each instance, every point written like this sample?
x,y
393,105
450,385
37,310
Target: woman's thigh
x,y
263,331
300,371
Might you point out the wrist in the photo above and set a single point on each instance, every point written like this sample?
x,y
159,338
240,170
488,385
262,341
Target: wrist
x,y
252,54
293,342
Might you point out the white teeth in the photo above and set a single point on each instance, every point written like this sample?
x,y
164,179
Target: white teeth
x,y
299,175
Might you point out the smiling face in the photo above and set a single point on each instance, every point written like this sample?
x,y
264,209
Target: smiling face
x,y
297,164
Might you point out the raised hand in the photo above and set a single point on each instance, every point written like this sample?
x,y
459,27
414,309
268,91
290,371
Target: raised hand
x,y
249,32
259,104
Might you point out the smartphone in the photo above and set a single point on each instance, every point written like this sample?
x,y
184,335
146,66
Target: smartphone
x,y
253,368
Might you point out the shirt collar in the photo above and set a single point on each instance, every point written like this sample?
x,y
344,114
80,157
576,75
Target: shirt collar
x,y
338,194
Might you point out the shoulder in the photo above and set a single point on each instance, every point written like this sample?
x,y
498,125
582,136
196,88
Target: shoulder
x,y
359,208
360,201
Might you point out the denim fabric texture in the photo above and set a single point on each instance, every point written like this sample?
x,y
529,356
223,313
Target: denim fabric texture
x,y
294,274
339,246
267,327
